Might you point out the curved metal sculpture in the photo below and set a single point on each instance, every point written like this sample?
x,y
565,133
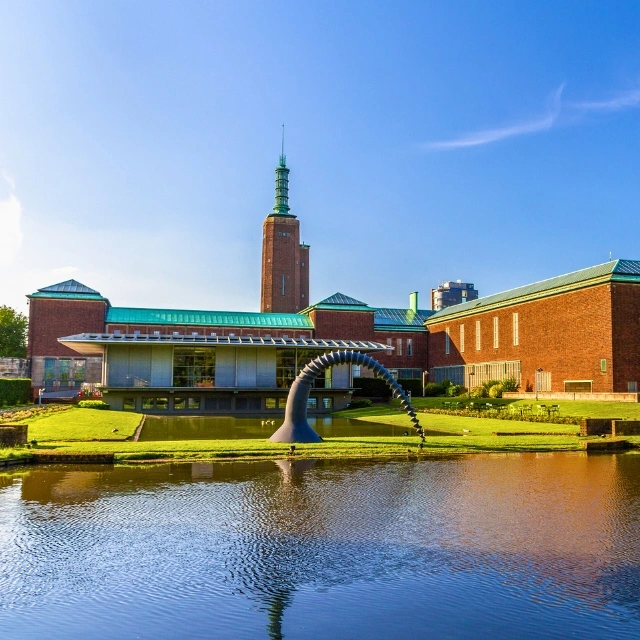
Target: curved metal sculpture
x,y
295,427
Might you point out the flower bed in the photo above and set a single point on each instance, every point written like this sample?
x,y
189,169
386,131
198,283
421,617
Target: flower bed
x,y
497,415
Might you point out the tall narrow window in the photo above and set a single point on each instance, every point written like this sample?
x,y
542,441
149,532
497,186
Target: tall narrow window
x,y
409,351
399,346
495,333
447,341
516,334
282,285
461,338
390,345
478,335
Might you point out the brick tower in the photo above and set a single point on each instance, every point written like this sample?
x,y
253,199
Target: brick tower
x,y
285,262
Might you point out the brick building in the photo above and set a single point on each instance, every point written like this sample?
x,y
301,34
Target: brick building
x,y
576,333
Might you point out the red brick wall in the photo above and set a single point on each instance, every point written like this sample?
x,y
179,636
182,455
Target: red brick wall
x,y
626,338
53,318
418,360
566,334
347,325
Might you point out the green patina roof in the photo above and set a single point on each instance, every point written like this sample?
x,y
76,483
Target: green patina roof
x,y
129,315
69,289
619,270
400,319
340,302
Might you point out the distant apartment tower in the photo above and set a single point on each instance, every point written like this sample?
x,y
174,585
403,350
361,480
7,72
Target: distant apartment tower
x,y
285,261
450,293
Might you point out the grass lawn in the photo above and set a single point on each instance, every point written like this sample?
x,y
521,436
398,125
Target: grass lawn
x,y
76,430
83,424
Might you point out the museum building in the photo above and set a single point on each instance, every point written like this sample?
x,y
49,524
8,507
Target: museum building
x,y
577,333
175,360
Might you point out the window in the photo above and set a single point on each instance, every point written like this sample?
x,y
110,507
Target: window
x,y
80,370
193,404
64,366
447,341
283,285
129,404
398,346
409,351
162,404
461,338
495,333
603,365
516,333
282,403
49,371
632,387
270,403
327,403
578,386
312,403
356,371
390,345
179,404
194,367
478,345
147,403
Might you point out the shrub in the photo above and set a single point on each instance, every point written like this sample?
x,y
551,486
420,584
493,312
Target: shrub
x,y
359,404
479,392
456,390
490,383
432,389
495,391
15,391
510,384
93,404
371,388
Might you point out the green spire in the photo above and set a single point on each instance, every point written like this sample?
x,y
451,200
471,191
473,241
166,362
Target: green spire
x,y
281,207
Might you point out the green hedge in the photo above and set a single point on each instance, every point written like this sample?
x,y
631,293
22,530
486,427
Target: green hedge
x,y
378,388
93,404
15,391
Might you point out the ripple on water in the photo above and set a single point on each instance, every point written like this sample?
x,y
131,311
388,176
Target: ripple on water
x,y
239,550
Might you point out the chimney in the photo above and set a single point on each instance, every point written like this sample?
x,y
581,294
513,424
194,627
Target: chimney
x,y
413,301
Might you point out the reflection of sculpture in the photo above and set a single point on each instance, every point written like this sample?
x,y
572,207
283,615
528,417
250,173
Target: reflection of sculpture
x,y
296,428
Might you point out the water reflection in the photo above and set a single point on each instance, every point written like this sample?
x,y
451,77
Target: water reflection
x,y
530,545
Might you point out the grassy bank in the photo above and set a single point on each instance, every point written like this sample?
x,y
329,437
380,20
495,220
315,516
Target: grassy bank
x,y
82,424
78,431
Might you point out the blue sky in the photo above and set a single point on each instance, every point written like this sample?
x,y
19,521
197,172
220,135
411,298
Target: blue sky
x,y
495,142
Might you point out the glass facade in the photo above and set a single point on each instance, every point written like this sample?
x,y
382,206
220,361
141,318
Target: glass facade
x,y
194,367
289,362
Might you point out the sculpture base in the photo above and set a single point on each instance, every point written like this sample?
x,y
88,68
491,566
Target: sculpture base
x,y
290,432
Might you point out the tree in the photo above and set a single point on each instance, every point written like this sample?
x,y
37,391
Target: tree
x,y
13,333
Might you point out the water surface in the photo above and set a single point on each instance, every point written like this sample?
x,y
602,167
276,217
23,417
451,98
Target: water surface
x,y
497,546
158,428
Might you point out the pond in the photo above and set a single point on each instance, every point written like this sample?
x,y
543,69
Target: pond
x,y
224,428
485,546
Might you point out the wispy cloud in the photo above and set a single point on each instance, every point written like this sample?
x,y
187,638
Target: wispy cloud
x,y
487,136
625,100
10,227
11,183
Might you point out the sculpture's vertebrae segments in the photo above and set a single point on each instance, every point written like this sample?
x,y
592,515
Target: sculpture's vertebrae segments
x,y
296,428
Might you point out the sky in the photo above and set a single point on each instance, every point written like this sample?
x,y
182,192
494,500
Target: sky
x,y
494,142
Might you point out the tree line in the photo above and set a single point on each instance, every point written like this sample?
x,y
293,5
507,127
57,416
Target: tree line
x,y
13,333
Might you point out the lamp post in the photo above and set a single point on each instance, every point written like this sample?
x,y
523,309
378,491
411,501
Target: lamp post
x,y
425,375
538,372
471,374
